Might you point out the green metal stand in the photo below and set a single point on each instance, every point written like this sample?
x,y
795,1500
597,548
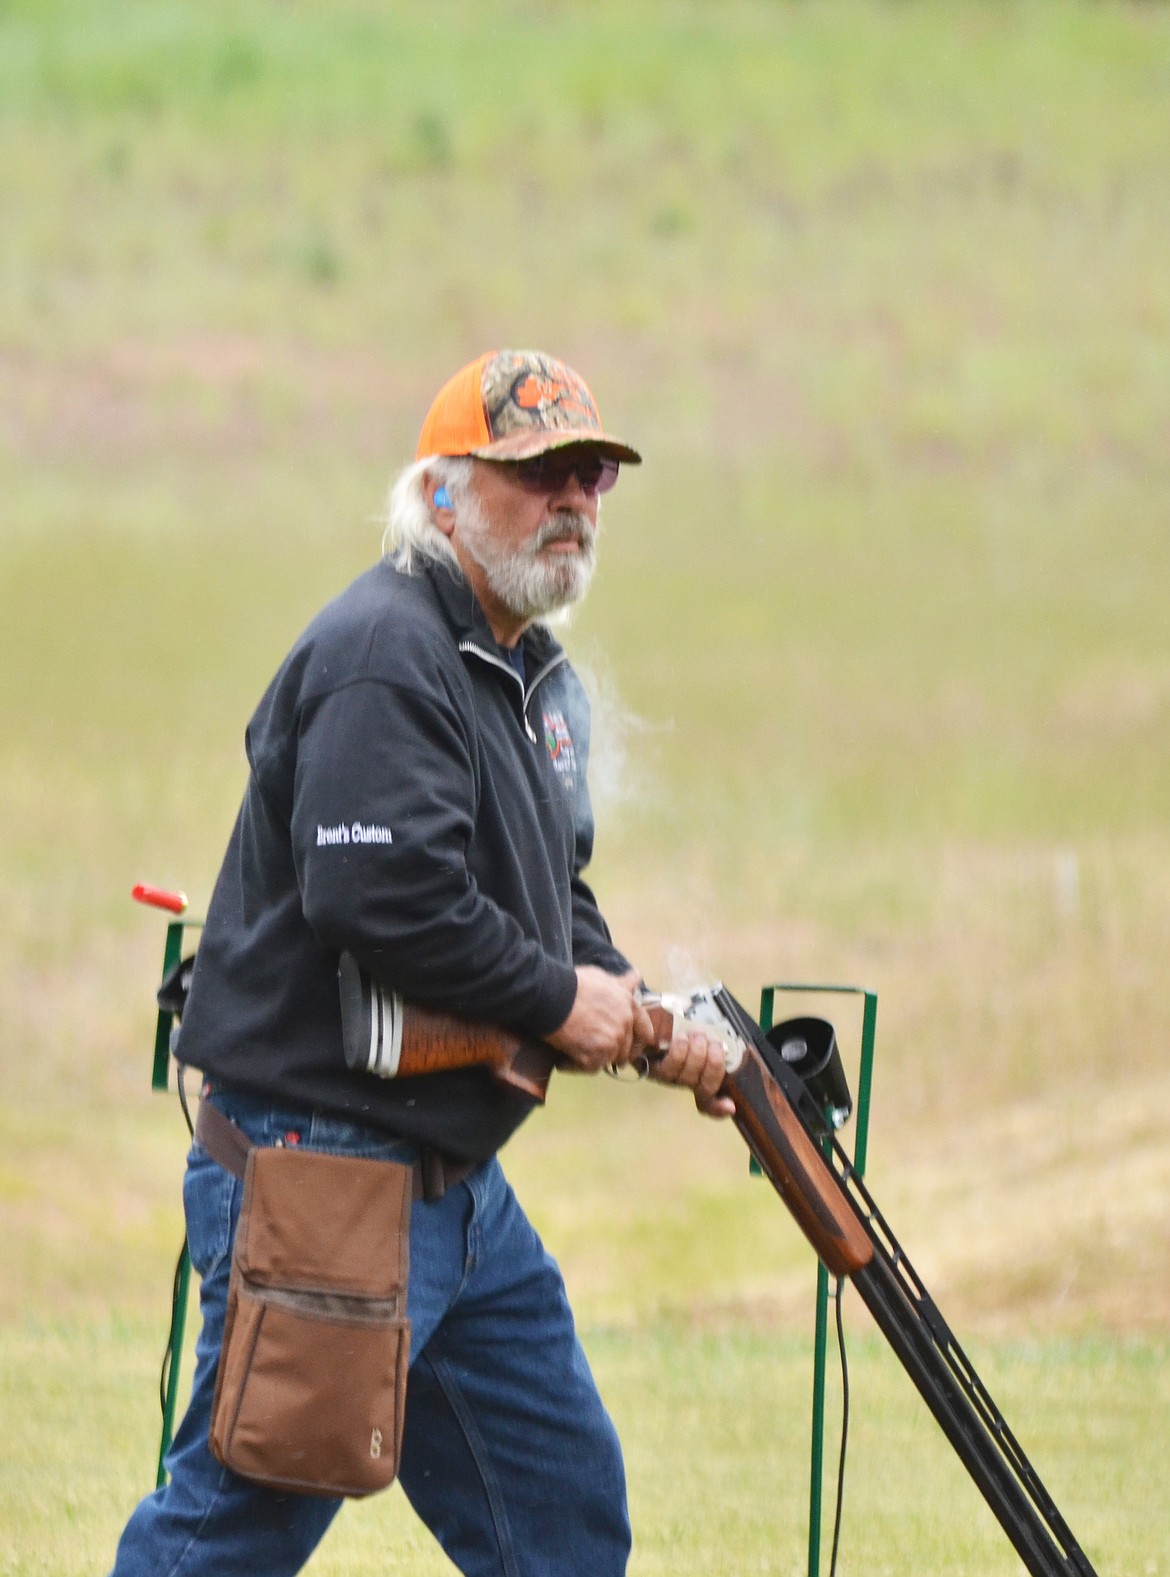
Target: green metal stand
x,y
172,952
820,1336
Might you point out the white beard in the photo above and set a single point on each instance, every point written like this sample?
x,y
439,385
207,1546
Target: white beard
x,y
528,585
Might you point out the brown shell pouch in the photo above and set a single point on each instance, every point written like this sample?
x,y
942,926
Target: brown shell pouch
x,y
311,1387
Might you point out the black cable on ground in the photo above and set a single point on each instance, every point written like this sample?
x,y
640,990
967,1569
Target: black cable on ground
x,y
844,1426
180,1070
166,1359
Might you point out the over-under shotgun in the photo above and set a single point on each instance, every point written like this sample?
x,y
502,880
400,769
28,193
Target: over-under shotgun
x,y
792,1142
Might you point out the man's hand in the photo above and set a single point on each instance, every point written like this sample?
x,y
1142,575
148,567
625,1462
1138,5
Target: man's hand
x,y
696,1062
605,1026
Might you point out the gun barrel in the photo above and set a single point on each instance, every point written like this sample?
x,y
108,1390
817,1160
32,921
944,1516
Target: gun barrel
x,y
836,1213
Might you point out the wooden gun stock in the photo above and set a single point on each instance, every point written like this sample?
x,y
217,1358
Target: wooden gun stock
x,y
795,1167
440,1042
383,1035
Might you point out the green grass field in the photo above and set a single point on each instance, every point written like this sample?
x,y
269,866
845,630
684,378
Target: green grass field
x,y
716,1446
879,644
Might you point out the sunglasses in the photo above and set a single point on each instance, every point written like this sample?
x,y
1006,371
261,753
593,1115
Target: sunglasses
x,y
550,472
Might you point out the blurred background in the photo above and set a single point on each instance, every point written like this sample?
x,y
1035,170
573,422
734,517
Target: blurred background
x,y
879,650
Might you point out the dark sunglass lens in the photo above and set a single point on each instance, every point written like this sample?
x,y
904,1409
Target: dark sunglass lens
x,y
589,468
607,475
550,472
596,473
533,473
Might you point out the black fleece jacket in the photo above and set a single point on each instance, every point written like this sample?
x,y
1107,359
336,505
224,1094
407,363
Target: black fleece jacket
x,y
413,801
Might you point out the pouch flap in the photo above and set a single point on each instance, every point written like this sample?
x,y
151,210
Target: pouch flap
x,y
335,1223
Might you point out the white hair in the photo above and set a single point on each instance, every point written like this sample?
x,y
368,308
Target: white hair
x,y
410,528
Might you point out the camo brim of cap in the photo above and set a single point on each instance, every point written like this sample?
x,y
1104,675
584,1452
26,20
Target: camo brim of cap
x,y
533,402
522,446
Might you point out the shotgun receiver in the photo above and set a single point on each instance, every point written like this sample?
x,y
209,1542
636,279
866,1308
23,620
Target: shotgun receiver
x,y
790,1132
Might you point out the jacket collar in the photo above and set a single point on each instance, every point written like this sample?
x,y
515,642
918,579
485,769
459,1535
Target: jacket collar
x,y
468,622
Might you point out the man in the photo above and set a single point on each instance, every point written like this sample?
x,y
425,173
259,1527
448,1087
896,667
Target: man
x,y
418,798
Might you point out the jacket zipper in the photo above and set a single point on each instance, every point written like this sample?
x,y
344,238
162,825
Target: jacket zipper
x,y
525,694
553,662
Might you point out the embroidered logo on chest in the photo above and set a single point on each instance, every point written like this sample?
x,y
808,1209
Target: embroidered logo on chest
x,y
559,743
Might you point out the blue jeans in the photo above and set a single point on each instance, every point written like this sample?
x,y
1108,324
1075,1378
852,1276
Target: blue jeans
x,y
509,1456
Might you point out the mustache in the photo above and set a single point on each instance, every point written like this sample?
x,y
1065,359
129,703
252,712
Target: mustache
x,y
567,528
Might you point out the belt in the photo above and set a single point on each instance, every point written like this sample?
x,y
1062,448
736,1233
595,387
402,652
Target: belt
x,y
434,1173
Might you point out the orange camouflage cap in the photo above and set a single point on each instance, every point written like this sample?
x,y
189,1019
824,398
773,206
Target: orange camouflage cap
x,y
511,404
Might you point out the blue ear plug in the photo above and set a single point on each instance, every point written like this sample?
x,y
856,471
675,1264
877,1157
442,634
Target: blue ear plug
x,y
442,498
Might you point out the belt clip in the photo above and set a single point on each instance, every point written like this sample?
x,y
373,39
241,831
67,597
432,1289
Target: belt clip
x,y
434,1174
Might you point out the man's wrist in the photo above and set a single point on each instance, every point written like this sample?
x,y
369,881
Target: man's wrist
x,y
557,996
